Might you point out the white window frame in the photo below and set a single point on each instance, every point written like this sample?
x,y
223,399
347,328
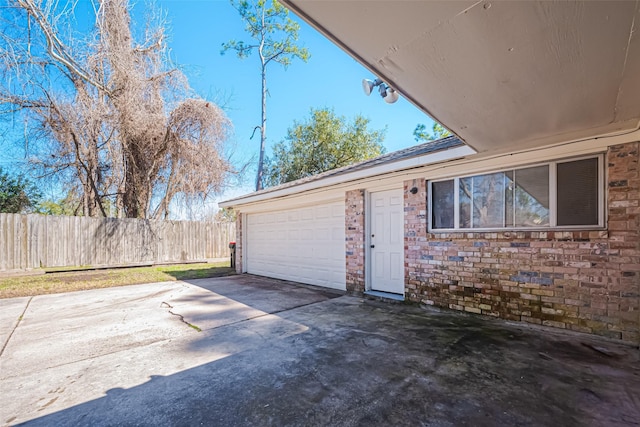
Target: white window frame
x,y
552,199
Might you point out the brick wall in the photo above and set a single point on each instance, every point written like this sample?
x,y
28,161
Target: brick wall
x,y
354,236
239,243
587,281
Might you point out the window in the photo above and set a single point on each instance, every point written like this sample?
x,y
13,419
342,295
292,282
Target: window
x,y
556,194
578,197
443,198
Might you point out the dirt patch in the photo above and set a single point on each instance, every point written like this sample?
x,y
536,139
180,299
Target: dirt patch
x,y
83,276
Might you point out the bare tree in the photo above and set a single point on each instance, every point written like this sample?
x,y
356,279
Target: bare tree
x,y
68,115
274,37
125,123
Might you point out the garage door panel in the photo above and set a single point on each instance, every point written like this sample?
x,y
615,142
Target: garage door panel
x,y
307,234
306,252
322,212
322,234
337,257
323,253
337,233
304,245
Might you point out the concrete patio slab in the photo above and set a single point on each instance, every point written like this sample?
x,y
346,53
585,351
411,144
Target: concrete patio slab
x,y
276,353
10,314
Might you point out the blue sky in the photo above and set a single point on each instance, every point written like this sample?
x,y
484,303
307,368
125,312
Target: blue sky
x,y
196,31
331,78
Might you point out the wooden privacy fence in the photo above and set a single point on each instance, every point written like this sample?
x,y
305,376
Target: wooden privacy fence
x,y
43,241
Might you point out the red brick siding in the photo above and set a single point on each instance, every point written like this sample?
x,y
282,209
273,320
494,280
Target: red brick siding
x,y
354,241
586,281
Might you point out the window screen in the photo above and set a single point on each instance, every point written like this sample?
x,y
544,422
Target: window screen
x,y
577,189
442,204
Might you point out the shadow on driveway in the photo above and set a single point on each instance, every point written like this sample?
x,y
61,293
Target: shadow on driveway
x,y
202,272
304,356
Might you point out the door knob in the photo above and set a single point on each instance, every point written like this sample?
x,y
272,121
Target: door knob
x,y
373,246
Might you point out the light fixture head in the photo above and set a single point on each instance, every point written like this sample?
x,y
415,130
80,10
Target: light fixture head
x,y
391,96
368,85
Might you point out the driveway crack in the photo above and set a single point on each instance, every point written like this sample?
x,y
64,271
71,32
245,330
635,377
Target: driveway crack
x,y
15,327
191,325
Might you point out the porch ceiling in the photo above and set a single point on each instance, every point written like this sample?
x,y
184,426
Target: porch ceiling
x,y
501,75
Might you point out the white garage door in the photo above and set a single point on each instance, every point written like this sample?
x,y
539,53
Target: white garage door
x,y
304,245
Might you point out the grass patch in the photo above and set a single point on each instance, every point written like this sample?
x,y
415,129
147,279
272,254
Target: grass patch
x,y
22,286
194,327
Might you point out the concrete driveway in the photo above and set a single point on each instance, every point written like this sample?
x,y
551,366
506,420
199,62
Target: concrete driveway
x,y
245,350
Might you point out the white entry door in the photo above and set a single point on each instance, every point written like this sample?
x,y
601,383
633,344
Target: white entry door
x,y
387,241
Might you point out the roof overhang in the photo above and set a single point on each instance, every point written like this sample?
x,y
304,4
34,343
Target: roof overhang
x,y
501,75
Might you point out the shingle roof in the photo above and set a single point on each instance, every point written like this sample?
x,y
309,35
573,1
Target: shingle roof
x,y
406,153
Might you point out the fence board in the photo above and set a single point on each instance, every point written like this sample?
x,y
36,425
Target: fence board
x,y
45,241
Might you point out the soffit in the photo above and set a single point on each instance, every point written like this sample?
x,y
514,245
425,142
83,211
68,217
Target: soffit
x,y
501,75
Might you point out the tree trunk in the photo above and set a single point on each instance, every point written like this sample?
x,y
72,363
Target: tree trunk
x,y
94,179
263,129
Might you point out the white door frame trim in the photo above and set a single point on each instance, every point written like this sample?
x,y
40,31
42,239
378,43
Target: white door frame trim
x,y
245,228
367,240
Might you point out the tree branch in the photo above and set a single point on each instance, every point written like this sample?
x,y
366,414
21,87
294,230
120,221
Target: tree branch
x,y
55,47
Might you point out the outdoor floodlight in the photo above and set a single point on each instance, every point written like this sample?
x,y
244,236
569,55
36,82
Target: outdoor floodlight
x,y
368,85
387,93
390,96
